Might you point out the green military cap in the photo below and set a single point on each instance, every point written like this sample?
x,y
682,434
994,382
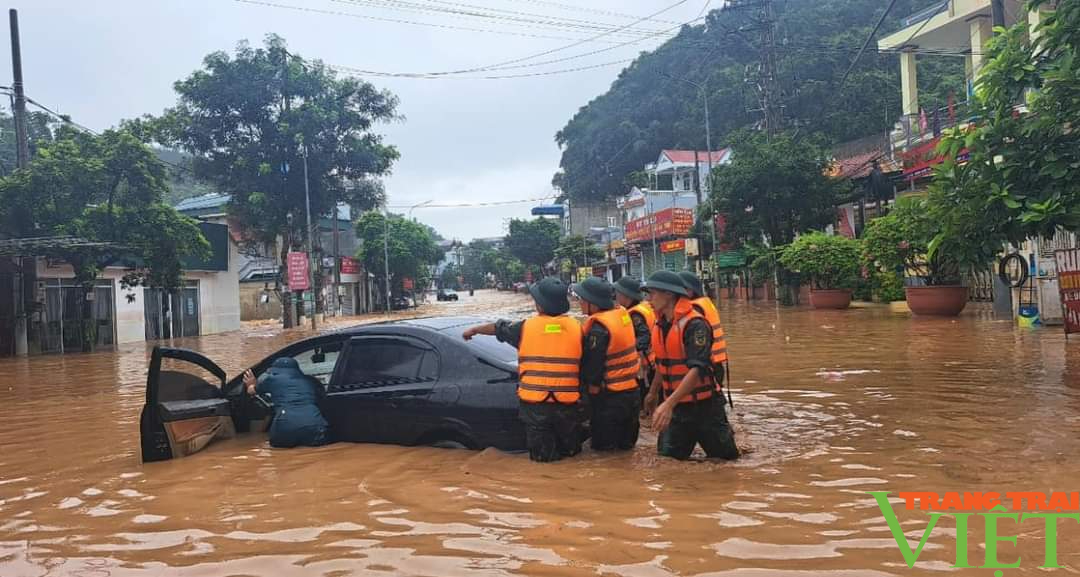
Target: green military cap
x,y
665,280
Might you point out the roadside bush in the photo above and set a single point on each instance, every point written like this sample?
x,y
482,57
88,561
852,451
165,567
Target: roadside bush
x,y
828,261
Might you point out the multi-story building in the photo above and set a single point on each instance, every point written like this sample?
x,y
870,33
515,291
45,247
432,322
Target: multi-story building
x,y
658,219
962,29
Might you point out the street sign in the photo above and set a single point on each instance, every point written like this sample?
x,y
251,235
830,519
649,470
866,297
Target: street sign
x,y
673,246
298,271
1068,271
407,283
349,265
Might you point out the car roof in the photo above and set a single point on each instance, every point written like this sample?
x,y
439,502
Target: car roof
x,y
435,324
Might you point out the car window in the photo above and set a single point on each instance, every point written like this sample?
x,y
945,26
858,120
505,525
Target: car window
x,y
384,361
319,361
493,349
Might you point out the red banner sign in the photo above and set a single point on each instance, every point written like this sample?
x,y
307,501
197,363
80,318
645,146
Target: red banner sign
x,y
1068,270
666,223
721,229
298,271
407,283
673,246
350,265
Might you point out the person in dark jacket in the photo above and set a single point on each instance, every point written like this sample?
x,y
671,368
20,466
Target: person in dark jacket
x,y
297,419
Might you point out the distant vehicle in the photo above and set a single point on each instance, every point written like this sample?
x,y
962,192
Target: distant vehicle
x,y
447,295
413,382
521,287
400,303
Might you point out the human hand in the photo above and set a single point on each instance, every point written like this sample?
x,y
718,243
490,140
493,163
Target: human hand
x,y
250,382
662,417
649,404
470,333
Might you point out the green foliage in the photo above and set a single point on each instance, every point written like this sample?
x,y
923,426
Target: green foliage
x,y
247,118
644,111
412,248
1022,178
576,251
40,128
107,188
829,261
885,254
775,188
762,262
533,242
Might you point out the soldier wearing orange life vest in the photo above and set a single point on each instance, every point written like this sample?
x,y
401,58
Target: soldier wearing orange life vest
x,y
609,367
628,295
684,400
704,305
549,366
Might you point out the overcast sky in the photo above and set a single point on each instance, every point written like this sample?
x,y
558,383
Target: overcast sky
x,y
463,140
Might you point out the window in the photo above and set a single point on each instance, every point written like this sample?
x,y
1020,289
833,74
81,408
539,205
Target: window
x,y
385,361
319,362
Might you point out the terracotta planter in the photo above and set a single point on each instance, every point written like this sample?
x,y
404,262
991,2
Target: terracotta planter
x,y
830,299
942,301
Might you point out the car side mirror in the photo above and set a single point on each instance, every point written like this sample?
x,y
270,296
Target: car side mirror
x,y
318,357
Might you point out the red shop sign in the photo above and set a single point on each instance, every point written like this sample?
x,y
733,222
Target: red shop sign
x,y
298,271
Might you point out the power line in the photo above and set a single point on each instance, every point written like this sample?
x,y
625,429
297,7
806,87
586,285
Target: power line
x,y
590,10
462,10
477,204
361,72
869,38
265,3
514,63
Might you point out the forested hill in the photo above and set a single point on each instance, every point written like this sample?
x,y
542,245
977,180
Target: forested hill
x,y
645,110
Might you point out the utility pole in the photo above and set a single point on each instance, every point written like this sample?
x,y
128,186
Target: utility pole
x,y
337,260
22,155
997,9
310,244
771,108
386,253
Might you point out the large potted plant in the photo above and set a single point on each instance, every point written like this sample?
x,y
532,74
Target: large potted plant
x,y
832,264
937,247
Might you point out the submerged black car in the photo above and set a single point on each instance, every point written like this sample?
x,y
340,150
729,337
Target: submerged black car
x,y
414,382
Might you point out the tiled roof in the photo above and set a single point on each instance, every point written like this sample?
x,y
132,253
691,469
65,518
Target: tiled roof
x,y
212,200
687,156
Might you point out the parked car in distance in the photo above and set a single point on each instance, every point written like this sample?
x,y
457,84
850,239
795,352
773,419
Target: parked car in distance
x,y
400,303
446,294
411,382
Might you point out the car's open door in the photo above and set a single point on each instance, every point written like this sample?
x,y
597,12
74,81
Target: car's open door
x,y
186,408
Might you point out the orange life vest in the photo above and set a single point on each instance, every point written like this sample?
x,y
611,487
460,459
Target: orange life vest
x,y
707,309
549,360
621,364
646,311
671,355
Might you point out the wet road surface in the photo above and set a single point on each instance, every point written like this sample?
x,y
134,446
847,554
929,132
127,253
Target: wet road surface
x,y
833,404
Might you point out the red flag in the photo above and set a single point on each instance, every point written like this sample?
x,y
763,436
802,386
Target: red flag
x,y
922,120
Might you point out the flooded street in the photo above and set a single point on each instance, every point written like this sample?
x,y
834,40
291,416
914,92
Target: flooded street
x,y
832,404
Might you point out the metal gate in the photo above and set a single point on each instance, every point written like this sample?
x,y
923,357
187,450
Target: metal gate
x,y
1068,270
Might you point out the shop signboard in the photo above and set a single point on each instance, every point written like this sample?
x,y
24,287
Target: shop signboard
x,y
350,265
673,246
1068,271
664,224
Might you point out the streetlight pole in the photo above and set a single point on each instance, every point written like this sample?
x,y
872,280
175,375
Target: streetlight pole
x,y
702,88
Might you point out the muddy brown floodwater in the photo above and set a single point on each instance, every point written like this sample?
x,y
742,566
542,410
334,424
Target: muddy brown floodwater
x,y
834,404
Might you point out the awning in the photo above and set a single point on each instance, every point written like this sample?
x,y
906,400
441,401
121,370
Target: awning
x,y
39,246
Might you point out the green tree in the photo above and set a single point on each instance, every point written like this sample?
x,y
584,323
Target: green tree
x,y
109,190
412,249
249,118
775,188
644,111
39,132
533,242
1022,175
576,251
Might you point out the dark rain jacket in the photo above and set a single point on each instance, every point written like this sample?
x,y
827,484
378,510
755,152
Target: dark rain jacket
x,y
297,419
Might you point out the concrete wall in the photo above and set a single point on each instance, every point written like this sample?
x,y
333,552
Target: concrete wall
x,y
219,298
251,306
